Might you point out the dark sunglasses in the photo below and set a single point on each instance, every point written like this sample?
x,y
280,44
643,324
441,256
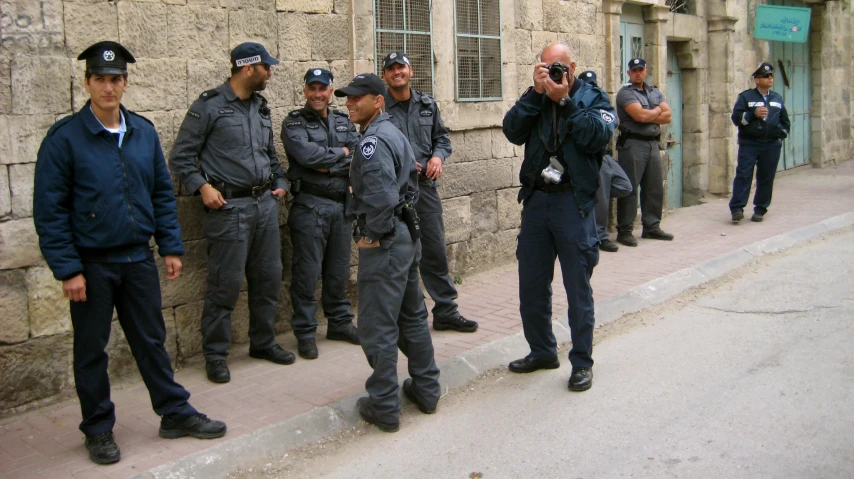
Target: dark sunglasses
x,y
770,75
266,66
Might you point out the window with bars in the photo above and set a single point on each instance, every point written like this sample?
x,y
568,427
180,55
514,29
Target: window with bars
x,y
406,26
478,34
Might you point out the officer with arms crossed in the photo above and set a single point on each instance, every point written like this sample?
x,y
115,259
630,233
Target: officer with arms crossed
x,y
230,131
318,142
101,192
564,124
417,116
642,110
763,123
392,313
613,183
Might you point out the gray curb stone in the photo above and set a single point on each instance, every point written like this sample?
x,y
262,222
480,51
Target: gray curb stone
x,y
321,422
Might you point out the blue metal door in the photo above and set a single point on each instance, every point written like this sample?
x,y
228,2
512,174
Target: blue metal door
x,y
674,132
792,80
631,46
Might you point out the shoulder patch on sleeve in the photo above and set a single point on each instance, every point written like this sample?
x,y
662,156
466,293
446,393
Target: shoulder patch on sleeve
x,y
368,146
207,95
193,114
59,124
608,117
140,116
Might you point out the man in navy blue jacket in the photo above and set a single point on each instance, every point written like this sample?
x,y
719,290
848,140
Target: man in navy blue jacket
x,y
564,127
762,123
101,192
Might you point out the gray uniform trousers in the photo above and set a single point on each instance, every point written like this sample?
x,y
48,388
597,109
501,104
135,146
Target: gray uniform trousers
x,y
392,315
641,161
321,240
613,183
434,256
242,238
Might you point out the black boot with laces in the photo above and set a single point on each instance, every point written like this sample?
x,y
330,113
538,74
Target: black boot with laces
x,y
103,448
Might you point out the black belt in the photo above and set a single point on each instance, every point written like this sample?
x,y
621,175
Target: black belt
x,y
764,141
339,196
229,191
553,187
634,136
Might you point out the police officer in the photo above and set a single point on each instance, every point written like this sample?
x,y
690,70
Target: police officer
x,y
392,313
642,110
417,116
101,192
230,131
763,123
564,127
613,183
319,142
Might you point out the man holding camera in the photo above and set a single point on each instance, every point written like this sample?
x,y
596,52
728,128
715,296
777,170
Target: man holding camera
x,y
642,110
392,313
564,124
417,116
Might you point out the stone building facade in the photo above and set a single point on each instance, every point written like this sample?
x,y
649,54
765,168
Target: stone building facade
x,y
182,49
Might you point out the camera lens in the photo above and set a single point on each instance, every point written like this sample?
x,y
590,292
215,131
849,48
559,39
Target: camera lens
x,y
556,71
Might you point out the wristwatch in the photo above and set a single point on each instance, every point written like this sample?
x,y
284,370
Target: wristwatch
x,y
563,101
368,240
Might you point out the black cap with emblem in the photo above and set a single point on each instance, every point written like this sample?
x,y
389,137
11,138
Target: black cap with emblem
x,y
107,58
764,69
637,63
362,85
588,77
249,53
395,57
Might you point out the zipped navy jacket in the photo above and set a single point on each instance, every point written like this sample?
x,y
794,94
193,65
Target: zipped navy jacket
x,y
584,127
774,127
91,195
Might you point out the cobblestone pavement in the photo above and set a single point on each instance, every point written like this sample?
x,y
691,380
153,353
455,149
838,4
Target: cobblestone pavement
x,y
47,443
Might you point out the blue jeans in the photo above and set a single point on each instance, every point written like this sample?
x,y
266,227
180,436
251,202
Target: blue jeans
x,y
552,227
764,157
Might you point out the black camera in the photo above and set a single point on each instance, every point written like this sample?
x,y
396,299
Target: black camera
x,y
556,71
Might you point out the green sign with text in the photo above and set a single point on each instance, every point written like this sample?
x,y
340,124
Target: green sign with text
x,y
782,24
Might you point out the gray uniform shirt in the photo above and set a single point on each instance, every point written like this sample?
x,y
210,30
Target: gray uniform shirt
x,y
423,126
649,98
383,177
233,140
312,143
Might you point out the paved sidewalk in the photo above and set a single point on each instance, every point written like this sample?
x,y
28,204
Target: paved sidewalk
x,y
47,443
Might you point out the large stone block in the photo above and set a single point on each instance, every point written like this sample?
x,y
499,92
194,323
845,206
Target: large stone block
x,y
26,379
197,32
32,27
522,45
5,193
509,209
477,145
191,213
87,23
481,252
365,40
188,327
164,123
501,148
294,40
14,322
529,14
202,75
34,91
458,216
334,43
192,283
305,6
253,26
48,307
570,17
21,136
249,4
472,177
21,184
5,85
142,27
505,247
19,244
156,85
458,258
484,213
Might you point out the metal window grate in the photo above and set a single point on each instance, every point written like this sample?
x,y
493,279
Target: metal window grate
x,y
478,35
406,26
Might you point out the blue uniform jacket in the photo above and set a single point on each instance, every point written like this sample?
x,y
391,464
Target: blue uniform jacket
x,y
92,195
774,127
584,127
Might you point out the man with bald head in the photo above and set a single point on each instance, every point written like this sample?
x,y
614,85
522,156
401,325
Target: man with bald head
x,y
564,124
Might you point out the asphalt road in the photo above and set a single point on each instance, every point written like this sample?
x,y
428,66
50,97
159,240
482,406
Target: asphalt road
x,y
749,376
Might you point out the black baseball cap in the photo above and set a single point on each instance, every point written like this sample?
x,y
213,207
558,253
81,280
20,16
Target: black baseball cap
x,y
107,58
637,63
250,53
765,68
588,77
319,75
395,57
366,83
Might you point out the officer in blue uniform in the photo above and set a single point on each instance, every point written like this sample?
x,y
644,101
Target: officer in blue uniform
x,y
763,123
319,142
613,183
392,313
417,115
101,192
238,175
564,127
